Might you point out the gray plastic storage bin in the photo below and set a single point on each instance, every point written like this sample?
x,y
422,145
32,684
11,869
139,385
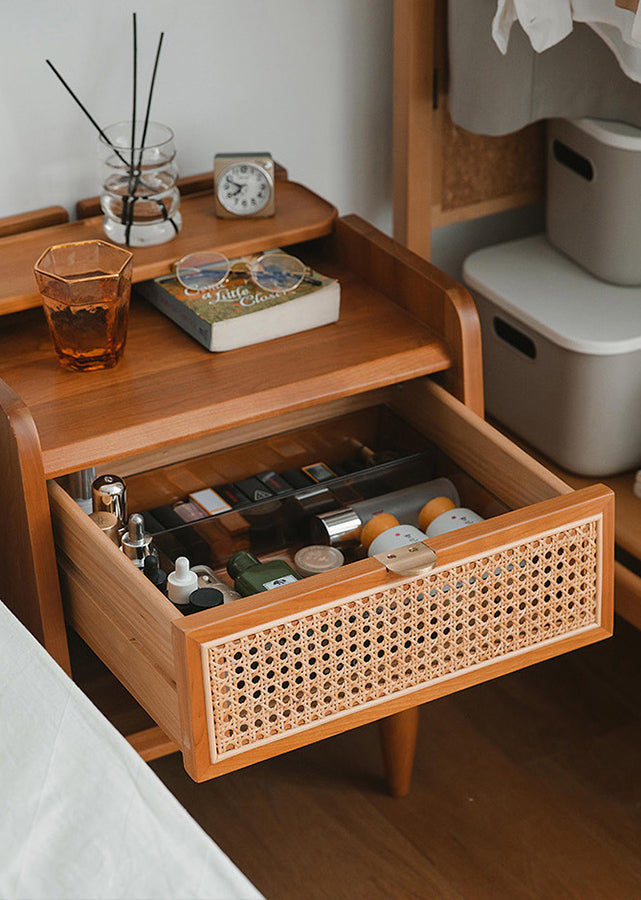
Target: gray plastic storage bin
x,y
593,211
561,355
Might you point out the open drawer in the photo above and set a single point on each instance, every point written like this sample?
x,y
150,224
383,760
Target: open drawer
x,y
267,673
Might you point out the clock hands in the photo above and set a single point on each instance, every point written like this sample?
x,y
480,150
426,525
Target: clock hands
x,y
235,184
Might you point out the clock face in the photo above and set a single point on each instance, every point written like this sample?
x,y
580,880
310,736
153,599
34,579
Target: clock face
x,y
243,189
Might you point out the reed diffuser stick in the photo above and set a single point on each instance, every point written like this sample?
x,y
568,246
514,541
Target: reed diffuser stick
x,y
86,112
135,89
150,96
138,170
127,206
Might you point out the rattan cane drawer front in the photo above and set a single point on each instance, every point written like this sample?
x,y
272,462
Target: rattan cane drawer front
x,y
297,672
305,667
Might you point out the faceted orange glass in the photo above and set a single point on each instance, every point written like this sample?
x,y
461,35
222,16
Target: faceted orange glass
x,y
85,289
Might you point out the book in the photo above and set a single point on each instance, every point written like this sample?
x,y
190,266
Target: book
x,y
239,313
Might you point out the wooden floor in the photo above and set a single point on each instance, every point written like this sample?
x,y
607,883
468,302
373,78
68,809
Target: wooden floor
x,y
527,787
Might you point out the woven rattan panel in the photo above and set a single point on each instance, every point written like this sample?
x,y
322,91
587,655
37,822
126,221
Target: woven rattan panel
x,y
292,674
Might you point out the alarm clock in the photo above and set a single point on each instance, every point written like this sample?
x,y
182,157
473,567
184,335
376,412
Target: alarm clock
x,y
244,185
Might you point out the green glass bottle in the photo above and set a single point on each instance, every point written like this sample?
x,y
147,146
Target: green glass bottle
x,y
251,576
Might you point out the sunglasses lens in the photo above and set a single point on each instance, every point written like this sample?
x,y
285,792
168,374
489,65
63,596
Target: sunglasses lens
x,y
202,271
278,272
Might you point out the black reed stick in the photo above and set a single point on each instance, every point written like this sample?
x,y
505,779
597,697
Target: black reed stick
x,y
127,206
86,112
135,90
149,98
138,172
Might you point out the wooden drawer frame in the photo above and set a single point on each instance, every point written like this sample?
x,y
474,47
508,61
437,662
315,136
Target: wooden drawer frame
x,y
184,670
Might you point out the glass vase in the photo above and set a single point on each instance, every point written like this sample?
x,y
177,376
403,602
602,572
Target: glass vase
x,y
139,198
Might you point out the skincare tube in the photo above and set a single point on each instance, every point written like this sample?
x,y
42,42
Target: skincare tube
x,y
342,525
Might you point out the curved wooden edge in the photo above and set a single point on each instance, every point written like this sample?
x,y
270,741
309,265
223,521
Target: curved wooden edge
x,y
425,292
28,574
37,218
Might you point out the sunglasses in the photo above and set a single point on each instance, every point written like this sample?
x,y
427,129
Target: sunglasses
x,y
275,271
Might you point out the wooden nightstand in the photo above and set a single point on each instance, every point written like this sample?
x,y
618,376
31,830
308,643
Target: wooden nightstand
x,y
532,581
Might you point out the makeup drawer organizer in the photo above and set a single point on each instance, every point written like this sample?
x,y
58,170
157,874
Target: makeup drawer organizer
x,y
520,587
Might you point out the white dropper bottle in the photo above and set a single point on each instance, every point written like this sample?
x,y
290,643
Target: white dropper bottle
x,y
181,582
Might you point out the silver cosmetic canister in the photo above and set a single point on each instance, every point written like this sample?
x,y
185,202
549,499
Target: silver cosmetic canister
x,y
109,494
337,526
79,485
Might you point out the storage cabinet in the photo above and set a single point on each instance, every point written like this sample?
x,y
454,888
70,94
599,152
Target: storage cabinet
x,y
371,640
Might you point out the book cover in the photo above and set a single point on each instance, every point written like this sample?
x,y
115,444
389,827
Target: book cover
x,y
239,313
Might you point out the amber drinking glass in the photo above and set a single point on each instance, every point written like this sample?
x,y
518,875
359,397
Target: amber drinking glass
x,y
85,289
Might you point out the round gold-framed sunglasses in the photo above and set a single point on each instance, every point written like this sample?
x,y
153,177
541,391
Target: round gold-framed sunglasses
x,y
274,271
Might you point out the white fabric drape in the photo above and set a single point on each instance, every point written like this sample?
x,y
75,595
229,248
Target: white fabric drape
x,y
548,22
82,815
497,87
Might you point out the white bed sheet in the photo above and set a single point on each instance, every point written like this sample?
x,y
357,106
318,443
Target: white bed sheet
x,y
82,816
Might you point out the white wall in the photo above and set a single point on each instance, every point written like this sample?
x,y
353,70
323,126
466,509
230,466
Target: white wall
x,y
309,80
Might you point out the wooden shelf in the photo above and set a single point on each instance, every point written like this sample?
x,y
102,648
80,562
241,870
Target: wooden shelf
x,y
627,515
627,507
168,388
627,537
300,215
627,534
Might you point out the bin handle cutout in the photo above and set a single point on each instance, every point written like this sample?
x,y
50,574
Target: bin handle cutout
x,y
572,160
514,337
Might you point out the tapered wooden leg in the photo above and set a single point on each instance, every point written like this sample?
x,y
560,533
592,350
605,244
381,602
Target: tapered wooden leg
x,y
398,741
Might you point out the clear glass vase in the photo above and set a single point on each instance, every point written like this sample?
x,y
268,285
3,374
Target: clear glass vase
x,y
139,197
